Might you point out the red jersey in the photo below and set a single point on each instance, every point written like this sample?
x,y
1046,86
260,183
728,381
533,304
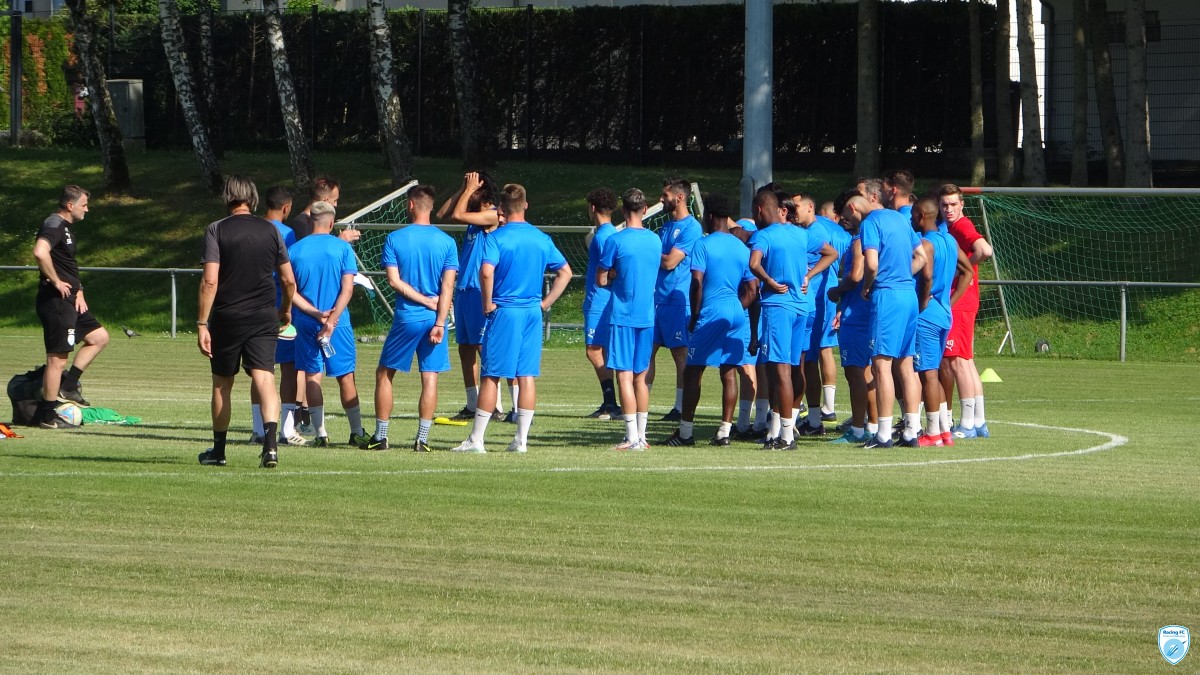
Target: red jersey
x,y
964,232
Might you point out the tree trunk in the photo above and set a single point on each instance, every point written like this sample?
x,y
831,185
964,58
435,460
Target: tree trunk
x,y
1005,142
1106,97
181,74
387,99
866,156
208,74
978,175
476,146
1139,172
302,166
1034,170
1079,77
116,171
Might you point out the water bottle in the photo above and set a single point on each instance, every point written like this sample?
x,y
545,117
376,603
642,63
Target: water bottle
x,y
326,348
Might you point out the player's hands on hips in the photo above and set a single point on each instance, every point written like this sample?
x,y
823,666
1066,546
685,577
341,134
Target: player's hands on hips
x,y
204,340
491,307
777,287
804,286
80,303
437,334
64,289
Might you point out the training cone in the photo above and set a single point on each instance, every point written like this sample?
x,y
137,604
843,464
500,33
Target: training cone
x,y
989,375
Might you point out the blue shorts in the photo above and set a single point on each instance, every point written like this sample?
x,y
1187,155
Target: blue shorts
x,y
931,342
285,351
412,338
596,327
823,334
468,317
720,339
512,342
894,323
310,358
630,348
671,325
854,343
786,335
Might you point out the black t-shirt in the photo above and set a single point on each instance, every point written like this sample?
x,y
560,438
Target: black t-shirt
x,y
249,250
302,225
62,250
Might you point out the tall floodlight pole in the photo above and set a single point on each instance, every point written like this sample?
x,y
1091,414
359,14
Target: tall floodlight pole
x,y
14,87
756,130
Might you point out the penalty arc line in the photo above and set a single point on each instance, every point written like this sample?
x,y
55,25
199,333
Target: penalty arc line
x,y
1114,441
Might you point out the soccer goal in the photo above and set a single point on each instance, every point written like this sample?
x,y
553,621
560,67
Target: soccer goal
x,y
1080,271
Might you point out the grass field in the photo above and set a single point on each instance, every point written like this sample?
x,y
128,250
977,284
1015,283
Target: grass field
x,y
1062,544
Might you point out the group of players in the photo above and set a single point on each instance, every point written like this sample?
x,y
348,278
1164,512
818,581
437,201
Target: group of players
x,y
764,299
892,282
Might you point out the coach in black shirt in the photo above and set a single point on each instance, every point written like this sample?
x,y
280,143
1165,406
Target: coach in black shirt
x,y
238,322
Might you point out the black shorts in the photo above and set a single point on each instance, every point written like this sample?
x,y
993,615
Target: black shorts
x,y
247,345
62,326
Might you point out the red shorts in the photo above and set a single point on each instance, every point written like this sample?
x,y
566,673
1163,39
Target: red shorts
x,y
961,341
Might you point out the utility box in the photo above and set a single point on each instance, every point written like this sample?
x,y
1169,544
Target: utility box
x,y
130,111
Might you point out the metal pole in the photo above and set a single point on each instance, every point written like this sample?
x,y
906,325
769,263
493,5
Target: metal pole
x,y
1012,343
174,303
756,133
1124,318
420,70
14,76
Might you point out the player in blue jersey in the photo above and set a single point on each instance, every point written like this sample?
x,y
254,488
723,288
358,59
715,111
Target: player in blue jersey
x,y
898,191
325,267
722,291
870,189
853,324
421,263
949,268
828,212
678,235
629,267
748,370
892,254
601,204
511,270
820,375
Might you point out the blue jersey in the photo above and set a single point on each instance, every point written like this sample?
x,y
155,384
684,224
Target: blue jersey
x,y
420,253
472,249
785,259
725,262
521,254
945,265
289,238
319,262
633,253
747,224
673,286
905,211
596,298
891,234
855,310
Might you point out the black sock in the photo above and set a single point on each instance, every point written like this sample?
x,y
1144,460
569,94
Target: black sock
x,y
270,435
70,378
610,394
45,411
219,443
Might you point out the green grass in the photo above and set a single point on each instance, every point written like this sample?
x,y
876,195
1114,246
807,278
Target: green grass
x,y
122,555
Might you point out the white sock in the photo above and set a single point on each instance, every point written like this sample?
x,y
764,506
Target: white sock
x,y
472,398
980,420
423,430
762,413
317,413
743,422
885,429
288,425
631,428
933,423
828,391
912,424
381,429
723,429
679,400
795,416
967,417
773,425
787,429
686,428
642,418
354,417
482,418
524,421
256,416
947,420
514,391
872,428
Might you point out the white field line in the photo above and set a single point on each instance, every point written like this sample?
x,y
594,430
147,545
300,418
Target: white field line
x,y
1114,441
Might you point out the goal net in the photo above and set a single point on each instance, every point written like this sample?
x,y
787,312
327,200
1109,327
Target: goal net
x,y
1076,243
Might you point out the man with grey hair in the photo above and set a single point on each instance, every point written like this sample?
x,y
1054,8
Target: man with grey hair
x,y
237,321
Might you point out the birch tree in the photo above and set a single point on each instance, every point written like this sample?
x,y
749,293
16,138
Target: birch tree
x,y
1106,97
208,76
1005,144
1034,170
1139,172
476,146
866,156
293,127
387,98
978,176
181,75
1079,120
112,152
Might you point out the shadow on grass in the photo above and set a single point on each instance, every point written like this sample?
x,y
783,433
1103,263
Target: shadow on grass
x,y
114,460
